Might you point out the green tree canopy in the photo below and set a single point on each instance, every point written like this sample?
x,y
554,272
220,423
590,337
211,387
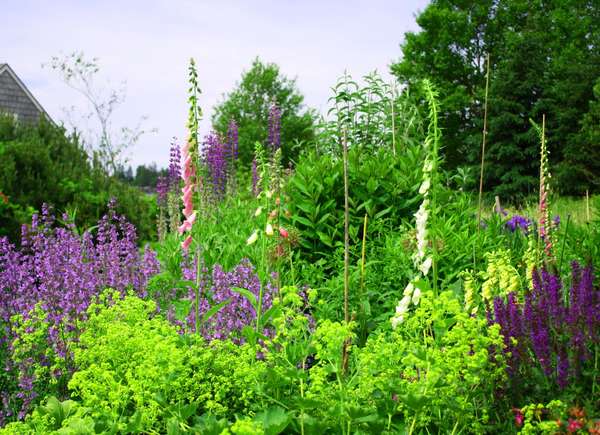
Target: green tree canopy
x,y
41,163
545,59
248,104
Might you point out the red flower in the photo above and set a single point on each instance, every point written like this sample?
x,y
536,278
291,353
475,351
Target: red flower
x,y
574,426
519,418
283,232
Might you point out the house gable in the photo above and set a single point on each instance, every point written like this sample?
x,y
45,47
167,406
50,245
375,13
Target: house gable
x,y
16,99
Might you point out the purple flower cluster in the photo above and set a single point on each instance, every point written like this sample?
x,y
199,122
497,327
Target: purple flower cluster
x,y
162,189
215,157
518,222
255,178
229,321
232,141
174,172
274,139
548,330
62,273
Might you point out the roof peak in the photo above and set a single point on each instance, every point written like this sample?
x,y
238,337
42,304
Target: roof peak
x,y
5,67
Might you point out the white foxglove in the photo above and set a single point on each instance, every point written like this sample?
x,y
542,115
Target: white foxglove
x,y
425,266
253,238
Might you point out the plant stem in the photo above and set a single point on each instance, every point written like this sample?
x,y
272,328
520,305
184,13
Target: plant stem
x,y
393,88
363,256
562,250
264,263
302,395
455,427
595,370
487,84
412,426
587,204
197,304
292,271
346,246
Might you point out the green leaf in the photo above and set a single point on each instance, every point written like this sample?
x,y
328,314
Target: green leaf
x,y
250,297
414,401
274,420
214,310
325,238
303,221
264,319
182,308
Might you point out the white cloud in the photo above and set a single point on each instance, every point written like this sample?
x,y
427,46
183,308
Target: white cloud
x,y
148,44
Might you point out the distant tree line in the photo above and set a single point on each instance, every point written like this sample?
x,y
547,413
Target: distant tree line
x,y
146,176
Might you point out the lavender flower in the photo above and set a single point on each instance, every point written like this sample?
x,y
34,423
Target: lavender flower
x,y
548,330
162,189
255,178
274,139
216,160
174,173
61,273
518,222
229,321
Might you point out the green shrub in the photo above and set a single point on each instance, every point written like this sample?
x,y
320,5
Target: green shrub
x,y
42,164
381,185
437,371
134,368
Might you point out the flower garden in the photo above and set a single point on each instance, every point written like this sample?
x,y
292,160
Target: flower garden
x,y
357,289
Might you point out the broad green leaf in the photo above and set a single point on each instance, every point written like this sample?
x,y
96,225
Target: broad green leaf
x,y
214,310
248,295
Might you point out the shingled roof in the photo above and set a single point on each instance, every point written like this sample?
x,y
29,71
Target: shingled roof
x,y
16,99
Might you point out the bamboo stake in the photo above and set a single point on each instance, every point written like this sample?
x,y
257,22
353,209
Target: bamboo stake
x,y
363,255
393,120
346,248
487,84
587,204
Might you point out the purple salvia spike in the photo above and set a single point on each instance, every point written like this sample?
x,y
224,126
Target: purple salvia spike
x,y
274,139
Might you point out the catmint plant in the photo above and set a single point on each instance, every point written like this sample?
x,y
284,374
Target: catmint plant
x,y
174,177
162,190
230,302
274,139
47,285
215,159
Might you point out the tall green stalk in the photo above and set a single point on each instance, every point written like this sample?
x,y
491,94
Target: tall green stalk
x,y
363,255
484,136
393,103
433,137
346,246
194,116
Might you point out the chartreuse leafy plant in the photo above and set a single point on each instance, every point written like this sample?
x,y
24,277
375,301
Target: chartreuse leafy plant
x,y
136,373
126,361
436,372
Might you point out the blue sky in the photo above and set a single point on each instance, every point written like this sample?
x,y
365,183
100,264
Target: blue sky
x,y
147,44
